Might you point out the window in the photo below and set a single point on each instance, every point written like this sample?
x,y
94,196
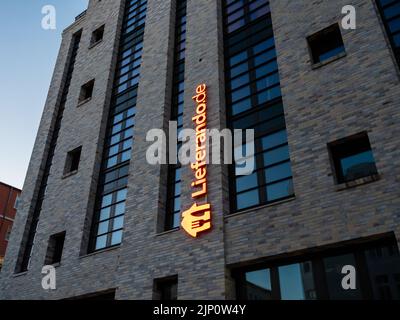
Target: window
x,y
8,233
107,295
27,246
72,162
333,274
108,219
166,289
319,275
97,36
296,282
254,101
258,285
326,44
384,272
86,91
352,158
55,249
110,222
173,206
390,13
16,203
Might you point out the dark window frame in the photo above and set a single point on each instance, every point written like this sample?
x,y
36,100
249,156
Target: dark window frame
x,y
86,92
386,21
176,114
72,161
97,36
107,295
319,37
346,147
113,176
316,255
163,284
245,39
55,248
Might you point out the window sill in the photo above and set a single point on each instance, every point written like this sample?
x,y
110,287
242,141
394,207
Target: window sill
x,y
167,232
227,216
67,175
81,103
358,182
328,61
20,274
56,265
95,44
100,251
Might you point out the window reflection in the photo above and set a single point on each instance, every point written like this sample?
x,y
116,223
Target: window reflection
x,y
258,285
383,265
358,165
377,276
326,44
334,276
111,197
254,102
353,158
297,282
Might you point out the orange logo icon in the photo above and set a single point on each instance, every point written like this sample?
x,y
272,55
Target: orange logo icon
x,y
196,219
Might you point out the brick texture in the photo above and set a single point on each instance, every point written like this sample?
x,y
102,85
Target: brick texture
x,y
356,93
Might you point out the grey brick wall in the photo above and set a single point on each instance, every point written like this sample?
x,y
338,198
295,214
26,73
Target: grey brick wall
x,y
358,92
144,254
69,202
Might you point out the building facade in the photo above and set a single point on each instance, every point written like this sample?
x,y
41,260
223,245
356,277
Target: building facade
x,y
9,198
323,198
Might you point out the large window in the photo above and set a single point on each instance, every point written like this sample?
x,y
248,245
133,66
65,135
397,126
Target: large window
x,y
254,102
112,190
390,12
174,171
319,275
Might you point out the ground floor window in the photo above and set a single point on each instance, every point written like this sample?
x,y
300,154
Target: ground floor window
x,y
96,296
320,274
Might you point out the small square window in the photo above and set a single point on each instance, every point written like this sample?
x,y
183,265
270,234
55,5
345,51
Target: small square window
x,y
326,44
352,158
55,249
166,289
72,162
97,36
86,91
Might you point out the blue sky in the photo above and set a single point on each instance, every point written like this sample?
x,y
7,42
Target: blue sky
x,y
27,57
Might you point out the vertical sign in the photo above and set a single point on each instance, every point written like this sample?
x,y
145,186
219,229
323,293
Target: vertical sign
x,y
197,219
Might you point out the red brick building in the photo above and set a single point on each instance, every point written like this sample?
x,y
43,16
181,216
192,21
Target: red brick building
x,y
8,203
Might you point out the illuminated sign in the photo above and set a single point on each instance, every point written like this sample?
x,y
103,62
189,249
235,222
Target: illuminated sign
x,y
197,219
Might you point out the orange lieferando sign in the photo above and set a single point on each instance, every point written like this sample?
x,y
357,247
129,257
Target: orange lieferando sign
x,y
197,219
